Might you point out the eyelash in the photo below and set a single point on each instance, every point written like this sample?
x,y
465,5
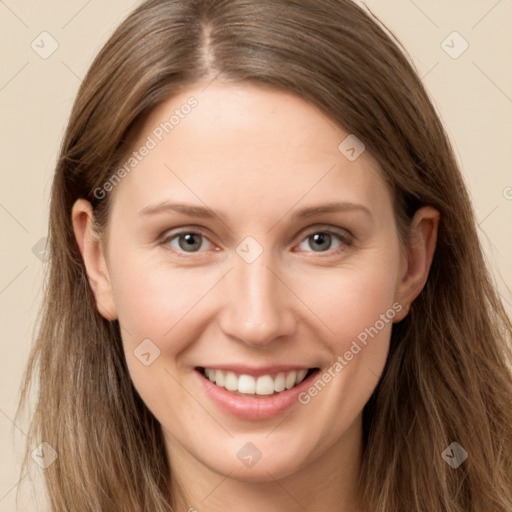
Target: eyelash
x,y
345,240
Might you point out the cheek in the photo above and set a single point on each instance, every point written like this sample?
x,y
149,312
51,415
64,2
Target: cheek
x,y
357,309
162,304
351,298
356,306
155,299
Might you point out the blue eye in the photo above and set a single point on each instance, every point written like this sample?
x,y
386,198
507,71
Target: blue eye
x,y
187,241
319,241
323,241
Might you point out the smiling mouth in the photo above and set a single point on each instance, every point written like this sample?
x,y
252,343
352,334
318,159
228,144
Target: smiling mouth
x,y
263,385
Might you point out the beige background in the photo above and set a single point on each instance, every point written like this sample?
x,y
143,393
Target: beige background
x,y
473,94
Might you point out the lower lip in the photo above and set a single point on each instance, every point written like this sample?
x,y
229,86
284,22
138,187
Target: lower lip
x,y
254,407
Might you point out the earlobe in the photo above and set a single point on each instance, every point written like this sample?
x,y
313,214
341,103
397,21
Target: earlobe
x,y
93,257
418,257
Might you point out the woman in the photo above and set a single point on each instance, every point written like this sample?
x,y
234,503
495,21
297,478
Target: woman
x,y
199,349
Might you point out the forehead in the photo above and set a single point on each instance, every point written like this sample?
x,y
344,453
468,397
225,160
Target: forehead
x,y
243,145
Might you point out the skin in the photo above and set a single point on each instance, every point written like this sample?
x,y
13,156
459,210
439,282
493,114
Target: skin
x,y
257,156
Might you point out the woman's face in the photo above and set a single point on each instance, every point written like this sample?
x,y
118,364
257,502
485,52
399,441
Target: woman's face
x,y
247,241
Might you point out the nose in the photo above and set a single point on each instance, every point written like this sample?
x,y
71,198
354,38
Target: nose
x,y
258,306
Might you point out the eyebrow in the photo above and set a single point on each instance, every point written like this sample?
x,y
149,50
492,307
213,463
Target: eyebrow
x,y
208,213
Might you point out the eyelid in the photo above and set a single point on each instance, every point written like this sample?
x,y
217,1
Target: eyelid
x,y
326,228
173,233
344,235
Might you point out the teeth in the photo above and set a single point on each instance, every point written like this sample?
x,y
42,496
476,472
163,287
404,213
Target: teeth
x,y
262,385
300,376
230,382
279,382
290,380
246,384
219,378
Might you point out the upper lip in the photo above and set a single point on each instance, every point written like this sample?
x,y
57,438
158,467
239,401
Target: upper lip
x,y
257,371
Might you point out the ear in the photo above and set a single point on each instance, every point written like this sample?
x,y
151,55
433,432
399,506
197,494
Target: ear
x,y
417,257
92,252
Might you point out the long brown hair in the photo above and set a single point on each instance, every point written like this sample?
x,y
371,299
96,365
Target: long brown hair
x,y
447,377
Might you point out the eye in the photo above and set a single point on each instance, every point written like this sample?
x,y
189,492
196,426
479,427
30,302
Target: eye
x,y
319,241
325,240
187,241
